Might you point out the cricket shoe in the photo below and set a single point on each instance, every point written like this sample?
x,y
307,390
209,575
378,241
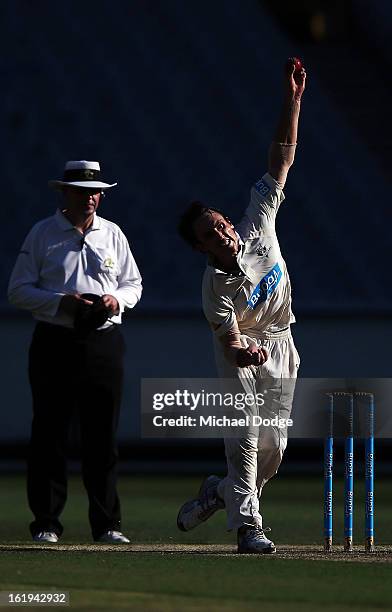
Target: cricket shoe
x,y
196,511
252,540
46,536
113,537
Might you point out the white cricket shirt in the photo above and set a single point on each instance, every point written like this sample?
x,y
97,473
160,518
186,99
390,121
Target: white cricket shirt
x,y
57,259
259,297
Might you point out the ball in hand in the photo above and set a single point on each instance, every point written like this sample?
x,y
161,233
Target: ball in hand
x,y
297,64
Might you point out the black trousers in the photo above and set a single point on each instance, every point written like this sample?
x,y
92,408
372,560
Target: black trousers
x,y
67,373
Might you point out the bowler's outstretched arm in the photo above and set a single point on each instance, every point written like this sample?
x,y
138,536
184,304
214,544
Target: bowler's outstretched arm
x,y
282,149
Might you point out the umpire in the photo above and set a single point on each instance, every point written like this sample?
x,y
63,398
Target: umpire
x,y
76,274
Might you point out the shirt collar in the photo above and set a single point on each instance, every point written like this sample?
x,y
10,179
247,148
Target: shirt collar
x,y
65,224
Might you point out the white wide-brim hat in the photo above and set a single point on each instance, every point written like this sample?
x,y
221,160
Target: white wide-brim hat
x,y
81,173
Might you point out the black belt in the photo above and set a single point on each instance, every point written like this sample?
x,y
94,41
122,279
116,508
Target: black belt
x,y
70,331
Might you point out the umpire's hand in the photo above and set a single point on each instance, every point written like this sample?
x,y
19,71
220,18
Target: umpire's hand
x,y
108,303
69,304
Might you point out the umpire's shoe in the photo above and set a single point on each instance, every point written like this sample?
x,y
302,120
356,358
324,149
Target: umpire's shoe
x,y
252,540
113,537
198,510
45,537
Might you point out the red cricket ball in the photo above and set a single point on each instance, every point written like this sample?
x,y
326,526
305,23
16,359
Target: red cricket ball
x,y
297,64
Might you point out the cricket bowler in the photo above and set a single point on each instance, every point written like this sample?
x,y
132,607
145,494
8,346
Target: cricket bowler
x,y
247,302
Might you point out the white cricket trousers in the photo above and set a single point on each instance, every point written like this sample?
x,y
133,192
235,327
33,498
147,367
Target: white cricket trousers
x,y
254,459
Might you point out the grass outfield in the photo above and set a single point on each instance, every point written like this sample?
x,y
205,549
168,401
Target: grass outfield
x,y
112,579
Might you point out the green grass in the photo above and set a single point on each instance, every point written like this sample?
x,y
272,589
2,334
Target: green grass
x,y
291,506
166,582
115,576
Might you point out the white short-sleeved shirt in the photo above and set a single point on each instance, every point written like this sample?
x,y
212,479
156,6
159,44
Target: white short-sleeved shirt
x,y
56,259
259,297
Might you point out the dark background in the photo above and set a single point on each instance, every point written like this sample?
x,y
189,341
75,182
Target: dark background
x,y
179,100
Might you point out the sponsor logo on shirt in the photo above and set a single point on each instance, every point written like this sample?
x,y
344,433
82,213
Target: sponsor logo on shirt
x,y
262,188
265,287
108,263
262,251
